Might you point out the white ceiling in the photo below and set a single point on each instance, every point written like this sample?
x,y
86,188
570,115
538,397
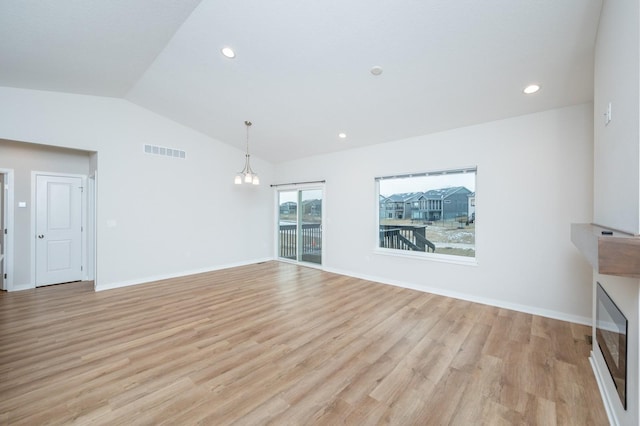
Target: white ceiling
x,y
302,70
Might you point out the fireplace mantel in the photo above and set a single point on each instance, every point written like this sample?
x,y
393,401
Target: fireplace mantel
x,y
610,252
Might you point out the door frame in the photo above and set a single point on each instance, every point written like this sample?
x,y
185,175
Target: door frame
x,y
92,257
83,215
9,208
298,188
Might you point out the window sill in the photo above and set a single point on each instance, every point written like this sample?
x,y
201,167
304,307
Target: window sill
x,y
445,258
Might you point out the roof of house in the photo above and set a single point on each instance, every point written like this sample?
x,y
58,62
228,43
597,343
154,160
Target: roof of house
x,y
403,197
443,193
439,194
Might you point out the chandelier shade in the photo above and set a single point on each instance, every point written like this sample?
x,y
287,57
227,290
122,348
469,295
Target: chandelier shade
x,y
247,175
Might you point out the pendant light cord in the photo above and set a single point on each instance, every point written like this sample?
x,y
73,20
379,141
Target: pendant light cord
x,y
248,124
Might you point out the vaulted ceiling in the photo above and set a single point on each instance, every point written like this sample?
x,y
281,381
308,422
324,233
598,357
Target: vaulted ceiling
x,y
302,71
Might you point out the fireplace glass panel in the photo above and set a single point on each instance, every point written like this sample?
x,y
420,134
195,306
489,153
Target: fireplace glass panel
x,y
611,335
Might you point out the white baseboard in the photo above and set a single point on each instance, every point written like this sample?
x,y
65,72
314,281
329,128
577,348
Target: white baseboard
x,y
562,316
605,397
120,284
20,287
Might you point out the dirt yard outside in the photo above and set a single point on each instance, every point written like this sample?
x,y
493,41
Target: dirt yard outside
x,y
450,237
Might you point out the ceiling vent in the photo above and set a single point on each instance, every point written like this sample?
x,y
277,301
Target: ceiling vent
x,y
165,152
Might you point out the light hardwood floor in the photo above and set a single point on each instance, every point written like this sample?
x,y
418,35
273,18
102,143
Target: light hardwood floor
x,y
280,344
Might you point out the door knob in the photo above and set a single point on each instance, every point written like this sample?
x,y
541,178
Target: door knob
x,y
41,236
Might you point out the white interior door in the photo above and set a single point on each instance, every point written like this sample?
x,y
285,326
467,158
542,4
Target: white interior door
x,y
58,229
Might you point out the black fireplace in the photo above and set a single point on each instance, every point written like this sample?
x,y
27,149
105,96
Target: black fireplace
x,y
611,334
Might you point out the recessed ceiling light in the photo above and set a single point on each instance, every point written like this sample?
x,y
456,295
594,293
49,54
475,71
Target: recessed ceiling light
x,y
530,89
342,135
376,70
228,52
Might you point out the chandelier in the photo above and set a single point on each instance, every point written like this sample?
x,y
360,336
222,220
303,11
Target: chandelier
x,y
247,175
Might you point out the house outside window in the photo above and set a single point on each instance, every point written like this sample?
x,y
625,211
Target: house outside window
x,y
430,214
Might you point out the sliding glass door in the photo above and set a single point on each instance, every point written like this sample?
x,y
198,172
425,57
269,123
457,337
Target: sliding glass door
x,y
300,225
288,225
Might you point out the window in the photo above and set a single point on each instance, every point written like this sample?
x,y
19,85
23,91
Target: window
x,y
439,211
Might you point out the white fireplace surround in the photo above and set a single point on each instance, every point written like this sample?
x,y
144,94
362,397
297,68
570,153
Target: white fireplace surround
x,y
617,254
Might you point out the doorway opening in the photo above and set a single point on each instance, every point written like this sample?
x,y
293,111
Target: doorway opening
x,y
6,229
20,162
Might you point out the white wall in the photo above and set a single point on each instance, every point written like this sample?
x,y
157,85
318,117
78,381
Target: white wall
x,y
617,151
23,159
534,179
617,172
171,217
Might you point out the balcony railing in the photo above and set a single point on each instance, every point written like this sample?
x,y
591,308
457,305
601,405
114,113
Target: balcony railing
x,y
405,237
311,235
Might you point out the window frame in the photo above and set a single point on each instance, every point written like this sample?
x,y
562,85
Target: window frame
x,y
430,256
